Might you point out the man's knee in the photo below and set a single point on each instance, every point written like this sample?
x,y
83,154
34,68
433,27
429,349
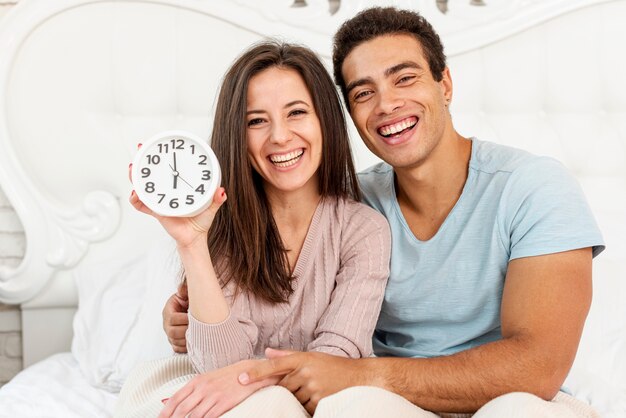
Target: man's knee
x,y
368,401
520,404
360,394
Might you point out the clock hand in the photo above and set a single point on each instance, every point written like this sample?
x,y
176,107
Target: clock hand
x,y
186,182
175,173
174,161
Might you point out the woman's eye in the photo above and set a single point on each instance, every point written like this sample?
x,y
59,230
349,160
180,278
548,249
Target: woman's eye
x,y
297,112
256,121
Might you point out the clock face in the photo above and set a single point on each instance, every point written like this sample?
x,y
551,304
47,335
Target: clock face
x,y
175,173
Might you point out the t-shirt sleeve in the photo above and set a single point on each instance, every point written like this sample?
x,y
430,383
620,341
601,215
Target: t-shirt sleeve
x,y
376,186
543,211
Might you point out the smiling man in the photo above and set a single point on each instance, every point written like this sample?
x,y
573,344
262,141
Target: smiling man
x,y
492,249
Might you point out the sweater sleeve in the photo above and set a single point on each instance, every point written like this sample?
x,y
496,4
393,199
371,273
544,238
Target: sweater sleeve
x,y
211,346
346,326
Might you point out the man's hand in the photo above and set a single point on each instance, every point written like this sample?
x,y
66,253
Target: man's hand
x,y
212,394
309,376
544,305
175,319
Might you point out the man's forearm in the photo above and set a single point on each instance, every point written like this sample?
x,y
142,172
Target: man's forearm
x,y
465,381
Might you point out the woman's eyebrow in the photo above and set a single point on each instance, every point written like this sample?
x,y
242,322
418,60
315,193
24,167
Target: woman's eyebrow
x,y
295,102
292,103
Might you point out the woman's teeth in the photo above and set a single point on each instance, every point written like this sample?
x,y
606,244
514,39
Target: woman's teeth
x,y
286,160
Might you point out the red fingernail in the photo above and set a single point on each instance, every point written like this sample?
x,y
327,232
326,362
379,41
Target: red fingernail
x,y
164,400
223,192
139,145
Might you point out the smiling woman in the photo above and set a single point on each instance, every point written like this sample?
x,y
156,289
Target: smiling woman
x,y
284,132
285,254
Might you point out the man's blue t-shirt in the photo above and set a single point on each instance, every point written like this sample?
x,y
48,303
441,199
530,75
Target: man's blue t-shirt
x,y
444,294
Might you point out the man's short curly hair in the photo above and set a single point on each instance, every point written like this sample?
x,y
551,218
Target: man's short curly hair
x,y
379,21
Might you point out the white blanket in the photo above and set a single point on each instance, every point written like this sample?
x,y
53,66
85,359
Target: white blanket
x,y
54,388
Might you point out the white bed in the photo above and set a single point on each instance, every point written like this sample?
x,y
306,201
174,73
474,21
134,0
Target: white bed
x,y
37,392
82,81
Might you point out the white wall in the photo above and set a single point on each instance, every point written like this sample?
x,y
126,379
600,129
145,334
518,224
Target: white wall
x,y
11,252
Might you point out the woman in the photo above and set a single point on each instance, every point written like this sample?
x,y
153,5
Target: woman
x,y
290,260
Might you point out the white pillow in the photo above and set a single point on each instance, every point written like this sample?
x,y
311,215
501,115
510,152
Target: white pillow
x,y
598,374
118,323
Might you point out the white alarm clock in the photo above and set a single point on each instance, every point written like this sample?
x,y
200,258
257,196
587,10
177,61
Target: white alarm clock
x,y
176,173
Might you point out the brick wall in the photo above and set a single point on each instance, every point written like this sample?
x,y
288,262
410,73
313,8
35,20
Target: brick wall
x,y
10,343
12,243
11,252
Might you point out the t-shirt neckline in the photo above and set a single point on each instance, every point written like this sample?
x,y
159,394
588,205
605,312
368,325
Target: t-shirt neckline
x,y
396,205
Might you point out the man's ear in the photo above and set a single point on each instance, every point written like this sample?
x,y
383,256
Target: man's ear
x,y
446,85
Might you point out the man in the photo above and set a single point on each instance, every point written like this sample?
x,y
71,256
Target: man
x,y
492,248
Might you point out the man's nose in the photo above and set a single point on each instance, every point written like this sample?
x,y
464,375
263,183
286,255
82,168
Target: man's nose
x,y
388,101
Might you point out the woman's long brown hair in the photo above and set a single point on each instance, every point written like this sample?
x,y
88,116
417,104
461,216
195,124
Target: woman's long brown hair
x,y
244,237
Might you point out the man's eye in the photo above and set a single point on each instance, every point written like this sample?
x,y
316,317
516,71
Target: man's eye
x,y
406,79
362,94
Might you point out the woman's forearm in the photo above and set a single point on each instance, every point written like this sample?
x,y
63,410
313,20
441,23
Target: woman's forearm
x,y
206,298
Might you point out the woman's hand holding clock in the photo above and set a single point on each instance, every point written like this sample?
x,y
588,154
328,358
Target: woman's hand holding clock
x,y
185,230
176,179
185,208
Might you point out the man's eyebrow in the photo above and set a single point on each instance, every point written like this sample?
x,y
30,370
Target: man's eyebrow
x,y
399,67
358,83
389,71
292,103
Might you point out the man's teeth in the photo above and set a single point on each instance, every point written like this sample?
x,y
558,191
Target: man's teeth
x,y
285,160
398,127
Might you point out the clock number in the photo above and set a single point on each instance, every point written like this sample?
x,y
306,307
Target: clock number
x,y
174,203
161,197
206,175
145,172
189,200
153,159
200,189
177,143
163,147
149,187
193,149
203,159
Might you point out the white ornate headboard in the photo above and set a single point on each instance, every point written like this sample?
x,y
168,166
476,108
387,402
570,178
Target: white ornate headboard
x,y
82,81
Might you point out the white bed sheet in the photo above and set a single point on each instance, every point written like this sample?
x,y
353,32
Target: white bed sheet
x,y
54,388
